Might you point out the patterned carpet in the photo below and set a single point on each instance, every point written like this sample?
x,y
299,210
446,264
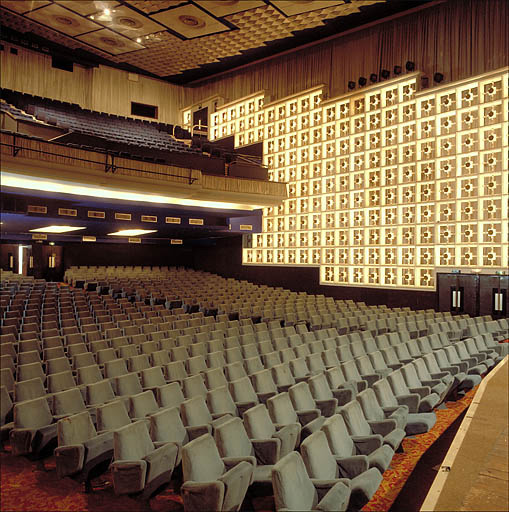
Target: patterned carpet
x,y
25,486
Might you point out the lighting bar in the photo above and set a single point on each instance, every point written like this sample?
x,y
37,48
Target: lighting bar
x,y
133,232
56,229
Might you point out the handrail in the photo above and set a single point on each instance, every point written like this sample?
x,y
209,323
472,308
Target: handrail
x,y
108,166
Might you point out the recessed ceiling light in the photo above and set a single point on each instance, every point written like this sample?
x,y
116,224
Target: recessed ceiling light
x,y
133,232
56,229
106,12
138,39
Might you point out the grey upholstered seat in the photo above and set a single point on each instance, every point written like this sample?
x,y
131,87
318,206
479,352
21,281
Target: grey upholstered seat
x,y
34,428
243,394
303,400
295,490
232,441
442,386
80,449
416,385
212,483
416,423
343,445
321,390
196,415
6,415
166,427
400,388
282,412
259,425
321,464
169,395
357,425
138,465
374,412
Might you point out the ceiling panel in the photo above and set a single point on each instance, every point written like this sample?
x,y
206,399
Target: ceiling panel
x,y
61,19
225,7
110,42
292,7
190,21
86,7
22,6
130,23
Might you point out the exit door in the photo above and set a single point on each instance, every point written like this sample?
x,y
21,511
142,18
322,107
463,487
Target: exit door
x,y
458,293
494,296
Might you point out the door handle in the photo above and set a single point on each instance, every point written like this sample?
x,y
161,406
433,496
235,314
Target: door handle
x,y
458,298
499,297
454,298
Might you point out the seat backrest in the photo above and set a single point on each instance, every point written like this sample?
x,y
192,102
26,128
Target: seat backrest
x,y
29,371
410,376
68,402
170,395
29,389
112,416
398,383
194,412
99,392
318,458
128,384
354,419
370,406
235,371
220,401
215,378
166,426
142,404
61,381
281,409
258,423
32,413
115,368
293,489
384,393
319,387
152,377
301,397
340,442
89,374
75,429
176,371
232,440
132,442
242,390
201,461
194,386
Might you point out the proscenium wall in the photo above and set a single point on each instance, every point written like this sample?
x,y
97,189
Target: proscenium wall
x,y
225,259
459,38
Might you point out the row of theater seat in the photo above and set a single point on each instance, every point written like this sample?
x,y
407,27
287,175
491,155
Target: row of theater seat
x,y
206,407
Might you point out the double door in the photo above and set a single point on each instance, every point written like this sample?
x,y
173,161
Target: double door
x,y
473,294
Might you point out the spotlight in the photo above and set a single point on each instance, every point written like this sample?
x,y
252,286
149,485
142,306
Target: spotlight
x,y
362,81
438,77
410,66
351,85
138,39
373,77
385,74
397,70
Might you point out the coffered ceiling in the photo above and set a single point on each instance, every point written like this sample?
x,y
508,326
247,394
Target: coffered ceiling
x,y
182,40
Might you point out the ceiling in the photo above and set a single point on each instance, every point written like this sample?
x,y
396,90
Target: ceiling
x,y
17,222
184,40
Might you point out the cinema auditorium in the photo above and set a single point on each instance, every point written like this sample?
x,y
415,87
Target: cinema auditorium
x,y
254,255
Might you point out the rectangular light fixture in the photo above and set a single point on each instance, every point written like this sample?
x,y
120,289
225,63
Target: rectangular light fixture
x,y
132,232
56,229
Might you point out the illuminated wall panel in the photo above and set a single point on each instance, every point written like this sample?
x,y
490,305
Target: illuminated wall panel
x,y
386,185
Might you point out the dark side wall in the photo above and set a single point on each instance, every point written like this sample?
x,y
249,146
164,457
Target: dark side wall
x,y
225,259
125,254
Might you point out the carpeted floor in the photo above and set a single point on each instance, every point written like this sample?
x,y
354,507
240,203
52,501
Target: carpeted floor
x,y
26,487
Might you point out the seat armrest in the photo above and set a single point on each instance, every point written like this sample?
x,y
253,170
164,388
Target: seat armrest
x,y
367,444
302,379
306,417
362,384
132,471
98,445
203,495
453,370
431,383
383,427
439,375
350,467
242,407
422,391
198,430
231,462
263,397
327,407
283,388
324,486
343,395
161,459
371,378
267,450
69,459
396,366
336,499
390,410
